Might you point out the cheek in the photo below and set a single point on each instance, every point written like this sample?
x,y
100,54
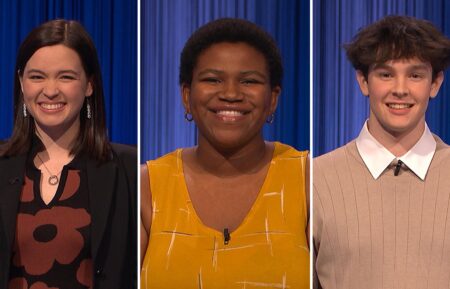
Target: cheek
x,y
30,92
424,93
377,94
262,96
198,97
74,92
376,104
424,102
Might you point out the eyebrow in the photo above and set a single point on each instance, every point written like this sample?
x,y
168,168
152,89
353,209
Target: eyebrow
x,y
242,73
250,72
385,66
59,72
210,70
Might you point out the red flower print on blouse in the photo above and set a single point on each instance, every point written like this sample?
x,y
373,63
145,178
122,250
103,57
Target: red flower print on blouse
x,y
21,283
18,283
41,285
84,273
72,185
50,235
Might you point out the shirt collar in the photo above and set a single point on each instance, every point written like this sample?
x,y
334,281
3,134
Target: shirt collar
x,y
377,158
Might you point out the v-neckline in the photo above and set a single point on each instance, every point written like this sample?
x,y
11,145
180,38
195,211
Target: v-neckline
x,y
253,208
59,189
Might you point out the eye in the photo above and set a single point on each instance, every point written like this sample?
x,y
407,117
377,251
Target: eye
x,y
35,77
67,77
248,81
416,76
213,80
385,75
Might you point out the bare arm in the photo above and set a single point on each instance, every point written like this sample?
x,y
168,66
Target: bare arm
x,y
307,199
146,210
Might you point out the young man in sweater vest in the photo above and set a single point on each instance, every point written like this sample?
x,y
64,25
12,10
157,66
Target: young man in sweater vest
x,y
382,202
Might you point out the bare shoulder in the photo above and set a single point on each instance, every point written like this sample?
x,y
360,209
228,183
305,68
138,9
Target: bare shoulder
x,y
145,186
146,209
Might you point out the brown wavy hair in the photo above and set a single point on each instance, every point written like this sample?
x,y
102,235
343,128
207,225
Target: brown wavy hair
x,y
399,37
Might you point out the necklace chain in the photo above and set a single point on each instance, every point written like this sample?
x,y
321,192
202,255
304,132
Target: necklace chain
x,y
53,179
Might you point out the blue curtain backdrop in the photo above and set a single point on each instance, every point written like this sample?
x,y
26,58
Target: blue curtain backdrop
x,y
113,27
166,25
339,107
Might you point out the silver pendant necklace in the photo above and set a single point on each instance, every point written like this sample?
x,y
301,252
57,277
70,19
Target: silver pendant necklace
x,y
53,179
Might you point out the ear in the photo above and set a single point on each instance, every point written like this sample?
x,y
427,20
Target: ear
x,y
185,96
274,98
436,84
362,81
89,88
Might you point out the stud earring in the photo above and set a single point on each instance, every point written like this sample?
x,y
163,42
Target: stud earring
x,y
188,117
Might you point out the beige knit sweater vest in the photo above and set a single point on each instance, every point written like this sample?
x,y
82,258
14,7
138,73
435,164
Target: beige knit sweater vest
x,y
393,232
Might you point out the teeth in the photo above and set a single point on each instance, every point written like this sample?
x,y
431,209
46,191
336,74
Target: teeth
x,y
229,113
399,105
52,106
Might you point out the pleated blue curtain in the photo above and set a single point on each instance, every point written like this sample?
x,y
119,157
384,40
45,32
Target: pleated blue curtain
x,y
113,27
339,108
166,26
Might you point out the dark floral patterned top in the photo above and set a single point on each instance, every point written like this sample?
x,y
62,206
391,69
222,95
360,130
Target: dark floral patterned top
x,y
52,243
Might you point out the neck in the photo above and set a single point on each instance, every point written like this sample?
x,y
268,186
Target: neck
x,y
58,144
398,143
233,161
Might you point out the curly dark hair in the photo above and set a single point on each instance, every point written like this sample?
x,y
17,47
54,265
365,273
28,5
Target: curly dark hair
x,y
399,37
230,30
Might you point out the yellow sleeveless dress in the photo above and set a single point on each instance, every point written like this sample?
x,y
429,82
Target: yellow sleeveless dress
x,y
268,250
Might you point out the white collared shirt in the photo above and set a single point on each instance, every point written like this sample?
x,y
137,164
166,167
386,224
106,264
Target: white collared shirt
x,y
377,158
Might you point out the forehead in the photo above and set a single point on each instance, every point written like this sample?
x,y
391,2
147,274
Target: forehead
x,y
54,57
241,53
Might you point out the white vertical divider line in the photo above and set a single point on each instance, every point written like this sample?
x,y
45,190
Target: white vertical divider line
x,y
138,258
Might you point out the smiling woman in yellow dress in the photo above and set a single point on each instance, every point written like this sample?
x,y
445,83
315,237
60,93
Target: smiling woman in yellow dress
x,y
231,212
67,195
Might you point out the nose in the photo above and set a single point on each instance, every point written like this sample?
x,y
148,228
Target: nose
x,y
231,91
401,87
50,89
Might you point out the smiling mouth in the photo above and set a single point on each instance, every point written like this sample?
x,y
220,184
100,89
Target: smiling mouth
x,y
230,113
399,105
51,106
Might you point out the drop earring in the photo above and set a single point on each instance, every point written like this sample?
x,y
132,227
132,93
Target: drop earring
x,y
24,110
270,119
88,110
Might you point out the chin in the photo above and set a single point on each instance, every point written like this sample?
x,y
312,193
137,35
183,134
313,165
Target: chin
x,y
400,129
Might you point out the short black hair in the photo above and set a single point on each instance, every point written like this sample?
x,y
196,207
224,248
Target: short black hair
x,y
231,30
399,37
